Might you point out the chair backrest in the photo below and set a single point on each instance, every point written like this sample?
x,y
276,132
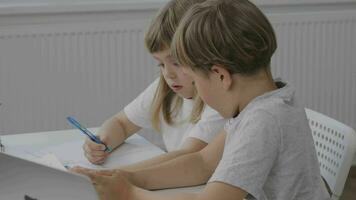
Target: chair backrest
x,y
335,145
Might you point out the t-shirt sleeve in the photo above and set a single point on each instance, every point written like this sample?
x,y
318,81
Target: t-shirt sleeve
x,y
210,124
138,111
251,149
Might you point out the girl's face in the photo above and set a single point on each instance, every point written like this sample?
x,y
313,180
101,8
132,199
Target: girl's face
x,y
176,79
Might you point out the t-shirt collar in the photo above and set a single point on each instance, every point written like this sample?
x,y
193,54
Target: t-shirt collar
x,y
284,91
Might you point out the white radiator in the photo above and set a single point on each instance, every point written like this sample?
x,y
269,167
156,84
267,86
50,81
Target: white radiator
x,y
316,54
50,71
92,64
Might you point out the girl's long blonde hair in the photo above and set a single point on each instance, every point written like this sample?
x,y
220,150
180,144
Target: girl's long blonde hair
x,y
158,38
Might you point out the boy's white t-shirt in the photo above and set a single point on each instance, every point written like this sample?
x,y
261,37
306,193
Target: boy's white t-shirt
x,y
210,124
269,151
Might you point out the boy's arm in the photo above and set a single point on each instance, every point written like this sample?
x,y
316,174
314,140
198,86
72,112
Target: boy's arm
x,y
191,169
216,190
212,191
190,145
187,170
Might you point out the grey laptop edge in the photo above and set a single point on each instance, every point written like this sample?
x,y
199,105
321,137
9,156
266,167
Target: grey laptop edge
x,y
25,180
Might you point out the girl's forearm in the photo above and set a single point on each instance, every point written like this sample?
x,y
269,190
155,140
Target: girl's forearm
x,y
112,133
117,129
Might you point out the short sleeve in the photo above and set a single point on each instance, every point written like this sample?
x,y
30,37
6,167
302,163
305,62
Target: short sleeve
x,y
138,111
210,124
251,149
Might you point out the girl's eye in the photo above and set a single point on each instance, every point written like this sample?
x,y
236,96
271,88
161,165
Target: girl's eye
x,y
160,65
176,64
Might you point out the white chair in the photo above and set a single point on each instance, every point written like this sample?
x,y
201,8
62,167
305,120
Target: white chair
x,y
335,145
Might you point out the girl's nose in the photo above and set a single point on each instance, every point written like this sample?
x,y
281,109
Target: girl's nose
x,y
170,72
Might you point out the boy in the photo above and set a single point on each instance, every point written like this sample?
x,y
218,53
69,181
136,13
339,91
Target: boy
x,y
266,150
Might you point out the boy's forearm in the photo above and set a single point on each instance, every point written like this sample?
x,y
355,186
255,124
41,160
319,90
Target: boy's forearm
x,y
154,161
212,191
140,194
187,170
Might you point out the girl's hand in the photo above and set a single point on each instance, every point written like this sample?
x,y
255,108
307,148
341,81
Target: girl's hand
x,y
94,152
109,184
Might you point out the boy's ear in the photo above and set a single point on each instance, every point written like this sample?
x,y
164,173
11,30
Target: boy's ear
x,y
222,75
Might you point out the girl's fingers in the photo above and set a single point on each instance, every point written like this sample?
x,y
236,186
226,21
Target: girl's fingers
x,y
90,146
94,152
95,159
90,158
98,161
94,146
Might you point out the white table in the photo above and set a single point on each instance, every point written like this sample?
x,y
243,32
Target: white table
x,y
29,145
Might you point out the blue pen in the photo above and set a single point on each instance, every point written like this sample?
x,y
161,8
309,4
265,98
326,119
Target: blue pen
x,y
84,130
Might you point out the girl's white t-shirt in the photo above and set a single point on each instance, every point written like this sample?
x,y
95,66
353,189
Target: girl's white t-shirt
x,y
210,124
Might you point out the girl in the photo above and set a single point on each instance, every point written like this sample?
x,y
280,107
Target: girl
x,y
266,150
166,105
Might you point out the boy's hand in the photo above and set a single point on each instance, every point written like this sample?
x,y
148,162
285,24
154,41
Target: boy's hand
x,y
95,152
109,184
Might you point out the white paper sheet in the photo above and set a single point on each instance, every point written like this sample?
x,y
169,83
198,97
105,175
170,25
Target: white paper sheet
x,y
134,150
51,160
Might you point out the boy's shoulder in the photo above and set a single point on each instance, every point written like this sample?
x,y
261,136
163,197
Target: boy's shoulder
x,y
277,103
278,106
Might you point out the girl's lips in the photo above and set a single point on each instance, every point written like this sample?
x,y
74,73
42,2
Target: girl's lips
x,y
177,87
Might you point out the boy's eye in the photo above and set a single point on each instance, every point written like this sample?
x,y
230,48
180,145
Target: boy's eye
x,y
176,64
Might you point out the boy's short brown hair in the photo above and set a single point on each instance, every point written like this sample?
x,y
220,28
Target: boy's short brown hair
x,y
234,34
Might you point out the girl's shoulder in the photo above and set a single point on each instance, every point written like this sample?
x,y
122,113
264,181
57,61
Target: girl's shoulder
x,y
153,86
210,113
148,93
